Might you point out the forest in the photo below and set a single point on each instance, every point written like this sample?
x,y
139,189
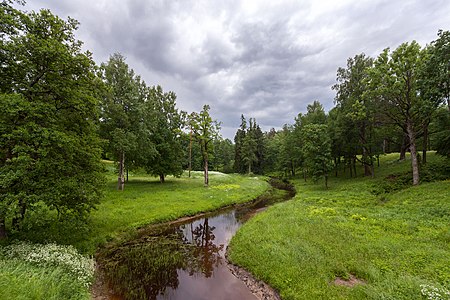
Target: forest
x,y
62,113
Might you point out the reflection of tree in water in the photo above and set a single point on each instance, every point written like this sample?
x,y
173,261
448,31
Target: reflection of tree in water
x,y
144,268
205,253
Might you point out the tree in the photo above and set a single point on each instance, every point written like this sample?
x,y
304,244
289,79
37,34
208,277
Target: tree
x,y
164,133
223,159
317,151
394,81
315,114
121,120
205,130
441,127
248,151
50,150
355,109
239,166
437,69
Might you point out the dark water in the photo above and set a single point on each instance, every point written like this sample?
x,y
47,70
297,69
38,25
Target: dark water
x,y
183,260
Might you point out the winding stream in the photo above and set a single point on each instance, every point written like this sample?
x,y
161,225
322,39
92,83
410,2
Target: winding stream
x,y
183,260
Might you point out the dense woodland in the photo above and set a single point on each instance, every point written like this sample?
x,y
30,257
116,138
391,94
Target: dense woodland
x,y
61,114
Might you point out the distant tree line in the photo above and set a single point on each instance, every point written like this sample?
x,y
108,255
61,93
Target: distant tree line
x,y
396,102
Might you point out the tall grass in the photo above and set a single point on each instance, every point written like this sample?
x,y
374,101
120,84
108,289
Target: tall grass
x,y
24,279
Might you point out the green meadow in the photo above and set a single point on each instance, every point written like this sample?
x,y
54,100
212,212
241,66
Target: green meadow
x,y
380,237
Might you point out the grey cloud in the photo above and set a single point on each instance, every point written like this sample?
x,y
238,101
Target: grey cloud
x,y
268,60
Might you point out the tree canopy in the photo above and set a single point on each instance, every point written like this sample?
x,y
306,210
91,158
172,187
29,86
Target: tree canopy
x,y
49,97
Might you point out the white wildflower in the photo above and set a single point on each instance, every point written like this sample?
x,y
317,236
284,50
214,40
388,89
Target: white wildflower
x,y
66,257
434,293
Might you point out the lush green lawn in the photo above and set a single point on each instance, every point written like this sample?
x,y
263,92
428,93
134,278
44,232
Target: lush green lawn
x,y
144,201
394,242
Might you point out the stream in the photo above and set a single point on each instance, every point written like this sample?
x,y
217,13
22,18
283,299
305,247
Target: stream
x,y
186,259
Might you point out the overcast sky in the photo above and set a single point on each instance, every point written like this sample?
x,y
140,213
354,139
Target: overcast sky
x,y
265,59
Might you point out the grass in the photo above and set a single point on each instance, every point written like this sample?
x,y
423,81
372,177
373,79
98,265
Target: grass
x,y
396,242
145,201
23,281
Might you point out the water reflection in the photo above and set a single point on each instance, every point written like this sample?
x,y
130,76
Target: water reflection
x,y
151,267
178,262
205,252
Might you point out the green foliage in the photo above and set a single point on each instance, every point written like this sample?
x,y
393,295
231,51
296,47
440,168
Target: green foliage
x,y
355,114
435,81
123,122
205,131
317,150
223,156
250,148
50,150
396,246
440,140
164,133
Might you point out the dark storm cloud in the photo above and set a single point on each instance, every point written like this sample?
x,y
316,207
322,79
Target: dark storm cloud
x,y
263,59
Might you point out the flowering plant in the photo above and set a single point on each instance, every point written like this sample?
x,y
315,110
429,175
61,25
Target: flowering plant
x,y
434,293
53,255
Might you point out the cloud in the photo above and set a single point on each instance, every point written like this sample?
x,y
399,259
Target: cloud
x,y
263,59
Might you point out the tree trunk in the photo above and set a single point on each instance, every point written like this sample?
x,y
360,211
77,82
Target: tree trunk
x,y
2,228
354,165
127,175
205,166
326,180
121,177
404,147
350,167
190,153
425,144
365,152
412,148
162,178
367,166
335,167
206,173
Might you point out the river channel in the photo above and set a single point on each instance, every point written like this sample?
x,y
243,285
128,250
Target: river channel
x,y
183,260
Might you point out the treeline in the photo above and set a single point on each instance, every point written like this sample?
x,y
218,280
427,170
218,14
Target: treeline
x,y
396,102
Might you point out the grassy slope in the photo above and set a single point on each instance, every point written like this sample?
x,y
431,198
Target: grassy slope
x,y
395,243
144,201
